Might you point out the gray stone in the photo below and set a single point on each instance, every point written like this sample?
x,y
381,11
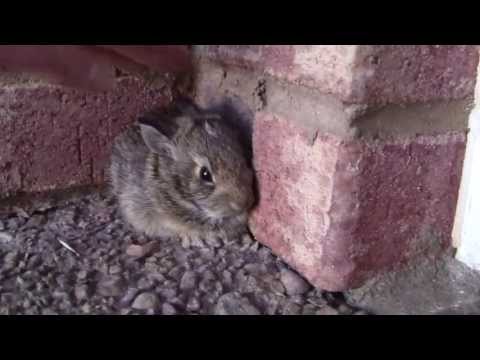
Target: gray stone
x,y
255,246
193,304
81,292
188,281
344,309
214,242
111,287
227,277
292,309
360,312
10,260
82,275
428,286
145,301
168,309
114,270
151,259
176,273
238,263
48,311
35,221
130,294
145,283
309,309
234,304
168,293
34,261
294,284
86,308
139,251
254,269
5,237
247,239
327,310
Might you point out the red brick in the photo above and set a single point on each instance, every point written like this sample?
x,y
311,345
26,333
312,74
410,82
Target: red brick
x,y
54,137
362,74
341,210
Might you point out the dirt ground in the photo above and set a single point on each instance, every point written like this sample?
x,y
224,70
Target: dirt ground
x,y
77,256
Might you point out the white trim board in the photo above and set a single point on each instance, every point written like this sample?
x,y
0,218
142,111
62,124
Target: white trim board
x,y
466,229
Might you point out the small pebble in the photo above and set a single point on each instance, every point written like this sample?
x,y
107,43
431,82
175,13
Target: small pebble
x,y
145,283
145,301
188,281
238,263
247,239
135,251
139,251
361,312
293,283
130,294
309,309
151,259
327,310
81,292
234,304
292,309
10,259
168,309
5,237
214,242
176,273
345,309
110,287
227,277
114,270
86,308
255,246
193,304
82,275
49,312
168,293
35,221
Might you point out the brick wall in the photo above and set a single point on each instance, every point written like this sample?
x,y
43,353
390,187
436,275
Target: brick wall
x,y
56,137
358,149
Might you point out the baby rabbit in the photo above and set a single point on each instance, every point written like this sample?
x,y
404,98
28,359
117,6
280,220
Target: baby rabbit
x,y
183,172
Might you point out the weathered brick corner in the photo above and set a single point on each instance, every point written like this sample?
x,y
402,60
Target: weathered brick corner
x,y
358,149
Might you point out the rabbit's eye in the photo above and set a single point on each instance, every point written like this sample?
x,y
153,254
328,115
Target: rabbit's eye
x,y
205,175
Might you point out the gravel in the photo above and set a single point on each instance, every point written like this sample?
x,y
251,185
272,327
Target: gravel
x,y
117,271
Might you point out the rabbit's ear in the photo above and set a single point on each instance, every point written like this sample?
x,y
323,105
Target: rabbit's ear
x,y
155,140
209,124
159,131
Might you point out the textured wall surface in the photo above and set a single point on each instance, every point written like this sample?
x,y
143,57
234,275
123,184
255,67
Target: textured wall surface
x,y
55,138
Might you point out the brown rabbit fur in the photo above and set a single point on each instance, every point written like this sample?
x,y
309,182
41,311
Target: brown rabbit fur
x,y
183,172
